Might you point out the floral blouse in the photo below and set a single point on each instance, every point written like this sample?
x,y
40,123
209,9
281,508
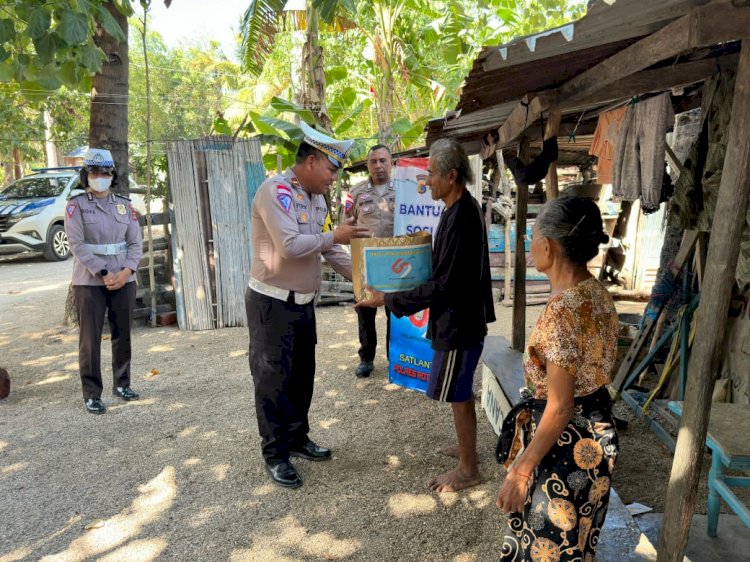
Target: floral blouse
x,y
578,332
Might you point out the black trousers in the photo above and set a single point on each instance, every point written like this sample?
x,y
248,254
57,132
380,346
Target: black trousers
x,y
91,304
282,364
368,337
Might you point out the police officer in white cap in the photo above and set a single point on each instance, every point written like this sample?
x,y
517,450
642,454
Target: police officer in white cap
x,y
372,205
288,214
105,240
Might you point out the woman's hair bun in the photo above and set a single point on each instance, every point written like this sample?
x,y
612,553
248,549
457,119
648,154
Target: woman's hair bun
x,y
576,223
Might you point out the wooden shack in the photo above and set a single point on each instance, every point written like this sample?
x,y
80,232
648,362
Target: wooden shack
x,y
557,83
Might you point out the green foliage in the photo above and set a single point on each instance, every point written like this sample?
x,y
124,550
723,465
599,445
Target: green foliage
x,y
260,23
425,52
49,44
22,122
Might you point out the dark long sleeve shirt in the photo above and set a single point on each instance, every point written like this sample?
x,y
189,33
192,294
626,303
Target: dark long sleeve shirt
x,y
459,291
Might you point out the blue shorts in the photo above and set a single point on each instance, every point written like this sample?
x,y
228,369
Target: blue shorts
x,y
452,374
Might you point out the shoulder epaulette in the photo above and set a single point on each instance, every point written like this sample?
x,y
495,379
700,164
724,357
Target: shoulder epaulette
x,y
360,186
122,197
71,197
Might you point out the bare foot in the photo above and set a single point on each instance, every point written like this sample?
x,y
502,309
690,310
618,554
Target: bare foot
x,y
454,481
449,450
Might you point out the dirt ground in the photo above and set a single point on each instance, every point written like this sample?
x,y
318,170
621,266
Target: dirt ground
x,y
178,475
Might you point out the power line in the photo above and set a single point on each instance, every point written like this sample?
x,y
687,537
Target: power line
x,y
165,141
222,96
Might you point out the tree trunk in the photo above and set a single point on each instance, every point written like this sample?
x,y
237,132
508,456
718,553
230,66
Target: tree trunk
x,y
70,316
385,107
314,93
50,148
8,171
17,164
108,126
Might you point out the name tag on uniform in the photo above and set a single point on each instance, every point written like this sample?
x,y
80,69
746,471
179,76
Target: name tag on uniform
x,y
121,210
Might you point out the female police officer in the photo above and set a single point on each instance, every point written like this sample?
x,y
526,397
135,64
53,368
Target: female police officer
x,y
105,240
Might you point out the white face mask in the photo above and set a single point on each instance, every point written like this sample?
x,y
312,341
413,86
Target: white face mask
x,y
100,184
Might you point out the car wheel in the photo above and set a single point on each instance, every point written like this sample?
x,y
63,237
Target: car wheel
x,y
58,247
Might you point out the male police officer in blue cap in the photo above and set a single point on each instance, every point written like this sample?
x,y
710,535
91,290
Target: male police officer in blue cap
x,y
289,211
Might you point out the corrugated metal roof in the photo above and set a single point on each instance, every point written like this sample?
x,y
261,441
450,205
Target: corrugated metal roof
x,y
502,75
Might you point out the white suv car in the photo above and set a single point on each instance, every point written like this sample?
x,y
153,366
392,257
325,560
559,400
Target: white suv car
x,y
32,212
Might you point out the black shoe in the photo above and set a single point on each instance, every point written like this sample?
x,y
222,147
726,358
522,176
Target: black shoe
x,y
284,474
126,393
95,406
364,369
311,452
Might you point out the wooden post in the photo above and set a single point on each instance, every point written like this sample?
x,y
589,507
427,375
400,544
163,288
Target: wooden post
x,y
519,276
551,130
731,209
475,188
507,191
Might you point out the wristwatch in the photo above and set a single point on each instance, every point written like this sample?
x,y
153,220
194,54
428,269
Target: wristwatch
x,y
103,273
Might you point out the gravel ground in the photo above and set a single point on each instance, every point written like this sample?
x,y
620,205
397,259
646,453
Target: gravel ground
x,y
178,475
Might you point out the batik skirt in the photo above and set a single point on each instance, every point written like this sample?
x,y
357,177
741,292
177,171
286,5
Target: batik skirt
x,y
569,493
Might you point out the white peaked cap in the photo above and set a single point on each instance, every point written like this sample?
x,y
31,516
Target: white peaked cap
x,y
336,150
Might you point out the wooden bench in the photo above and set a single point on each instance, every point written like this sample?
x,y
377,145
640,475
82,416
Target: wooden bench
x,y
502,379
728,431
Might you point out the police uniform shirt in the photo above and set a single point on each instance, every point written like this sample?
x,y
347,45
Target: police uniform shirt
x,y
373,208
287,238
109,220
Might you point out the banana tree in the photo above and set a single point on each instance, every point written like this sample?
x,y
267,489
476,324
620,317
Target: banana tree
x,y
262,22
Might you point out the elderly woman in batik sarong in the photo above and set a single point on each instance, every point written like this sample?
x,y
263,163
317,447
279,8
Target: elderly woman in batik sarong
x,y
556,491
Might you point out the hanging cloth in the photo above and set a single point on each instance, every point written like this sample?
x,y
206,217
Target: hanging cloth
x,y
638,168
537,169
604,142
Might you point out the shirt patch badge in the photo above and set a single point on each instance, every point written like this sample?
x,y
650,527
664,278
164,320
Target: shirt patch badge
x,y
121,210
70,209
284,195
304,218
300,197
348,203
